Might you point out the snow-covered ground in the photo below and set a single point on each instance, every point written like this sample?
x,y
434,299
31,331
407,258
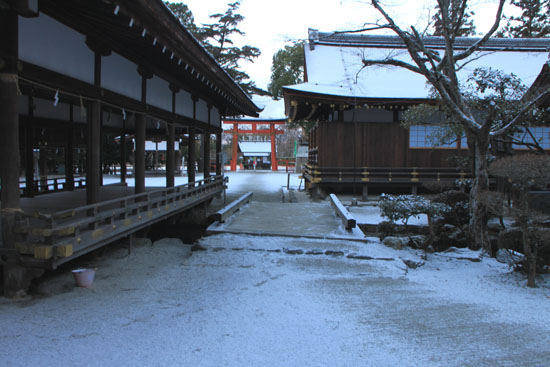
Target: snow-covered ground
x,y
274,301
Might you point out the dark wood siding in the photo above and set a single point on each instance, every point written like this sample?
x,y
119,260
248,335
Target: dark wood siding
x,y
360,144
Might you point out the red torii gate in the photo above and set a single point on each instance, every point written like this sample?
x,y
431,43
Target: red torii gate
x,y
271,131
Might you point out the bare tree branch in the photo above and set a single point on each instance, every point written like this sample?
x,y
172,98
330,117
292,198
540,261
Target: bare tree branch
x,y
521,113
393,62
480,42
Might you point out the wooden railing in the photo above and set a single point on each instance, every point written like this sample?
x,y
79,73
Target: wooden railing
x,y
50,185
47,240
383,175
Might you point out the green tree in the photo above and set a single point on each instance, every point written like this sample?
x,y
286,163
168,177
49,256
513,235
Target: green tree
x,y
185,16
287,68
533,22
217,38
460,18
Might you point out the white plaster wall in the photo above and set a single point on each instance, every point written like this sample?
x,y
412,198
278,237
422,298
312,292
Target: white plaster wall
x,y
202,111
215,117
184,104
120,75
159,93
45,42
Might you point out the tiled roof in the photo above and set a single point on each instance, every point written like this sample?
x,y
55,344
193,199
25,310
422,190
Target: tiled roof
x,y
393,41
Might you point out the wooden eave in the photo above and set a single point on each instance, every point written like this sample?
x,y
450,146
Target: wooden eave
x,y
541,84
108,23
300,105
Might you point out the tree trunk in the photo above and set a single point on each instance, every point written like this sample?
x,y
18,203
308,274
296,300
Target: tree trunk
x,y
530,257
479,235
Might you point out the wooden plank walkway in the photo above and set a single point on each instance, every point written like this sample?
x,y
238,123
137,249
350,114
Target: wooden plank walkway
x,y
303,219
54,229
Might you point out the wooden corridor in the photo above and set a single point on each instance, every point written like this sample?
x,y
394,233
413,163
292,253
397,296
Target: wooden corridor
x,y
57,228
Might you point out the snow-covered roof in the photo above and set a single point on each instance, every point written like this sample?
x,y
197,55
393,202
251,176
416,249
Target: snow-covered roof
x,y
271,109
334,64
255,148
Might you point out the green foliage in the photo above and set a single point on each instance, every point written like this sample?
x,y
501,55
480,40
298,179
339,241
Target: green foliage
x,y
287,68
534,21
217,38
403,207
523,171
460,19
386,228
185,16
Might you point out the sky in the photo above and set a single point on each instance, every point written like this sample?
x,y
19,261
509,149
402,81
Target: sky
x,y
270,24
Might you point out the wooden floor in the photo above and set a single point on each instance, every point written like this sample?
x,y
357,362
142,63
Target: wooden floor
x,y
58,227
64,200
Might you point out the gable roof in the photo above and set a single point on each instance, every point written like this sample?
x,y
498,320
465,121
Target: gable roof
x,y
334,64
255,148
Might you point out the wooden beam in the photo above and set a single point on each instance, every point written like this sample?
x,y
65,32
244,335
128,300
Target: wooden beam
x,y
224,213
347,219
258,132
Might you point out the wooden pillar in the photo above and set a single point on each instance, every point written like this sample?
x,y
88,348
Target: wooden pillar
x,y
191,156
235,147
219,161
365,193
170,157
274,166
12,274
206,154
123,153
9,116
93,165
200,158
69,147
170,154
101,145
29,151
140,126
139,160
191,146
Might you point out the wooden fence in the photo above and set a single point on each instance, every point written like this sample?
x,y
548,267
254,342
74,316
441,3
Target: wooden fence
x,y
48,240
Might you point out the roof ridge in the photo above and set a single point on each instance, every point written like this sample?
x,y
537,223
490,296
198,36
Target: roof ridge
x,y
381,40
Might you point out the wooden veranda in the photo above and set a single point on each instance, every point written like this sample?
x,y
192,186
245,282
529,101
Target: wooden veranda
x,y
73,72
48,238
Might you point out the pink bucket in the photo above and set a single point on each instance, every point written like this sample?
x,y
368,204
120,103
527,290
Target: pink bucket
x,y
84,277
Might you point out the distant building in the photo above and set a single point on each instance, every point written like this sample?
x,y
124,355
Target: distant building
x,y
357,140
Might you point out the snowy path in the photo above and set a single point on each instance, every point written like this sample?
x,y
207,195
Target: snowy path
x,y
242,304
274,301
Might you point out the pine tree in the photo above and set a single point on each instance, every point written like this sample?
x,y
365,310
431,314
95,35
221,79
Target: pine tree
x,y
533,22
185,16
217,38
287,68
458,16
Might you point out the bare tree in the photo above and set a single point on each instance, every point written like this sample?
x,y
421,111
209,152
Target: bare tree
x,y
526,172
440,70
